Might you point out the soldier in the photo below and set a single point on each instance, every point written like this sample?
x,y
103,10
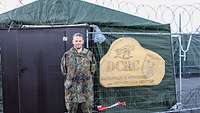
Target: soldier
x,y
78,66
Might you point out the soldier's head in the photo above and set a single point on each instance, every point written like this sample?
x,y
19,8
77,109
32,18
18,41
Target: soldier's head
x,y
78,41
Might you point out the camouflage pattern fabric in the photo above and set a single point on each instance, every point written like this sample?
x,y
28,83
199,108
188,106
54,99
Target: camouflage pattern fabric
x,y
78,69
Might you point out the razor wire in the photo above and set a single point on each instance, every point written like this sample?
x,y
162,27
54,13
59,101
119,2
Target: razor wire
x,y
161,13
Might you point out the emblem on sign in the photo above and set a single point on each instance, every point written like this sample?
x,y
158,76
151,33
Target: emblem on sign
x,y
127,63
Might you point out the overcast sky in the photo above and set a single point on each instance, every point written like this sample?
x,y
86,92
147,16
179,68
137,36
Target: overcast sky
x,y
6,5
163,11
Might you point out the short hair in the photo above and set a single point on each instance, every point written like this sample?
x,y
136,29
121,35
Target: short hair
x,y
77,35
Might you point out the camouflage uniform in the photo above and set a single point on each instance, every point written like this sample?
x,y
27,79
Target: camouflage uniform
x,y
78,69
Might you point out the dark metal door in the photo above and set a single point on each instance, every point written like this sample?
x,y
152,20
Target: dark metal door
x,y
10,71
38,82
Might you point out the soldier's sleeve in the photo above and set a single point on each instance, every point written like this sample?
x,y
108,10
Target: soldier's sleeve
x,y
63,64
93,64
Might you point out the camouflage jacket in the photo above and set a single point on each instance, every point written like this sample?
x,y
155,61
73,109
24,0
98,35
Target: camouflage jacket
x,y
78,69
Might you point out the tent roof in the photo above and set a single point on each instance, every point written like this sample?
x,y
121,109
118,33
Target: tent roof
x,y
55,12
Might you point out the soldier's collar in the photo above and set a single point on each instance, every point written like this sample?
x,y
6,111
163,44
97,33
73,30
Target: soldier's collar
x,y
84,51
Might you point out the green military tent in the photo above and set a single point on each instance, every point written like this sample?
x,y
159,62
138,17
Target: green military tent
x,y
70,12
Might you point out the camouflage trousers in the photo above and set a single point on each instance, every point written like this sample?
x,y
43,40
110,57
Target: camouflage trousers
x,y
73,107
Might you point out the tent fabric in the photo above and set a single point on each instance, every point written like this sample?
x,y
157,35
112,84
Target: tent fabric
x,y
69,12
59,12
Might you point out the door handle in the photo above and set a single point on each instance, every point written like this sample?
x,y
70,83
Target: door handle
x,y
23,69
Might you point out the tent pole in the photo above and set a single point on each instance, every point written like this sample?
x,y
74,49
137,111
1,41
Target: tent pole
x,y
180,65
87,39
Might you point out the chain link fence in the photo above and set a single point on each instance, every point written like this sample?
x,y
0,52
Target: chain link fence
x,y
185,55
184,22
